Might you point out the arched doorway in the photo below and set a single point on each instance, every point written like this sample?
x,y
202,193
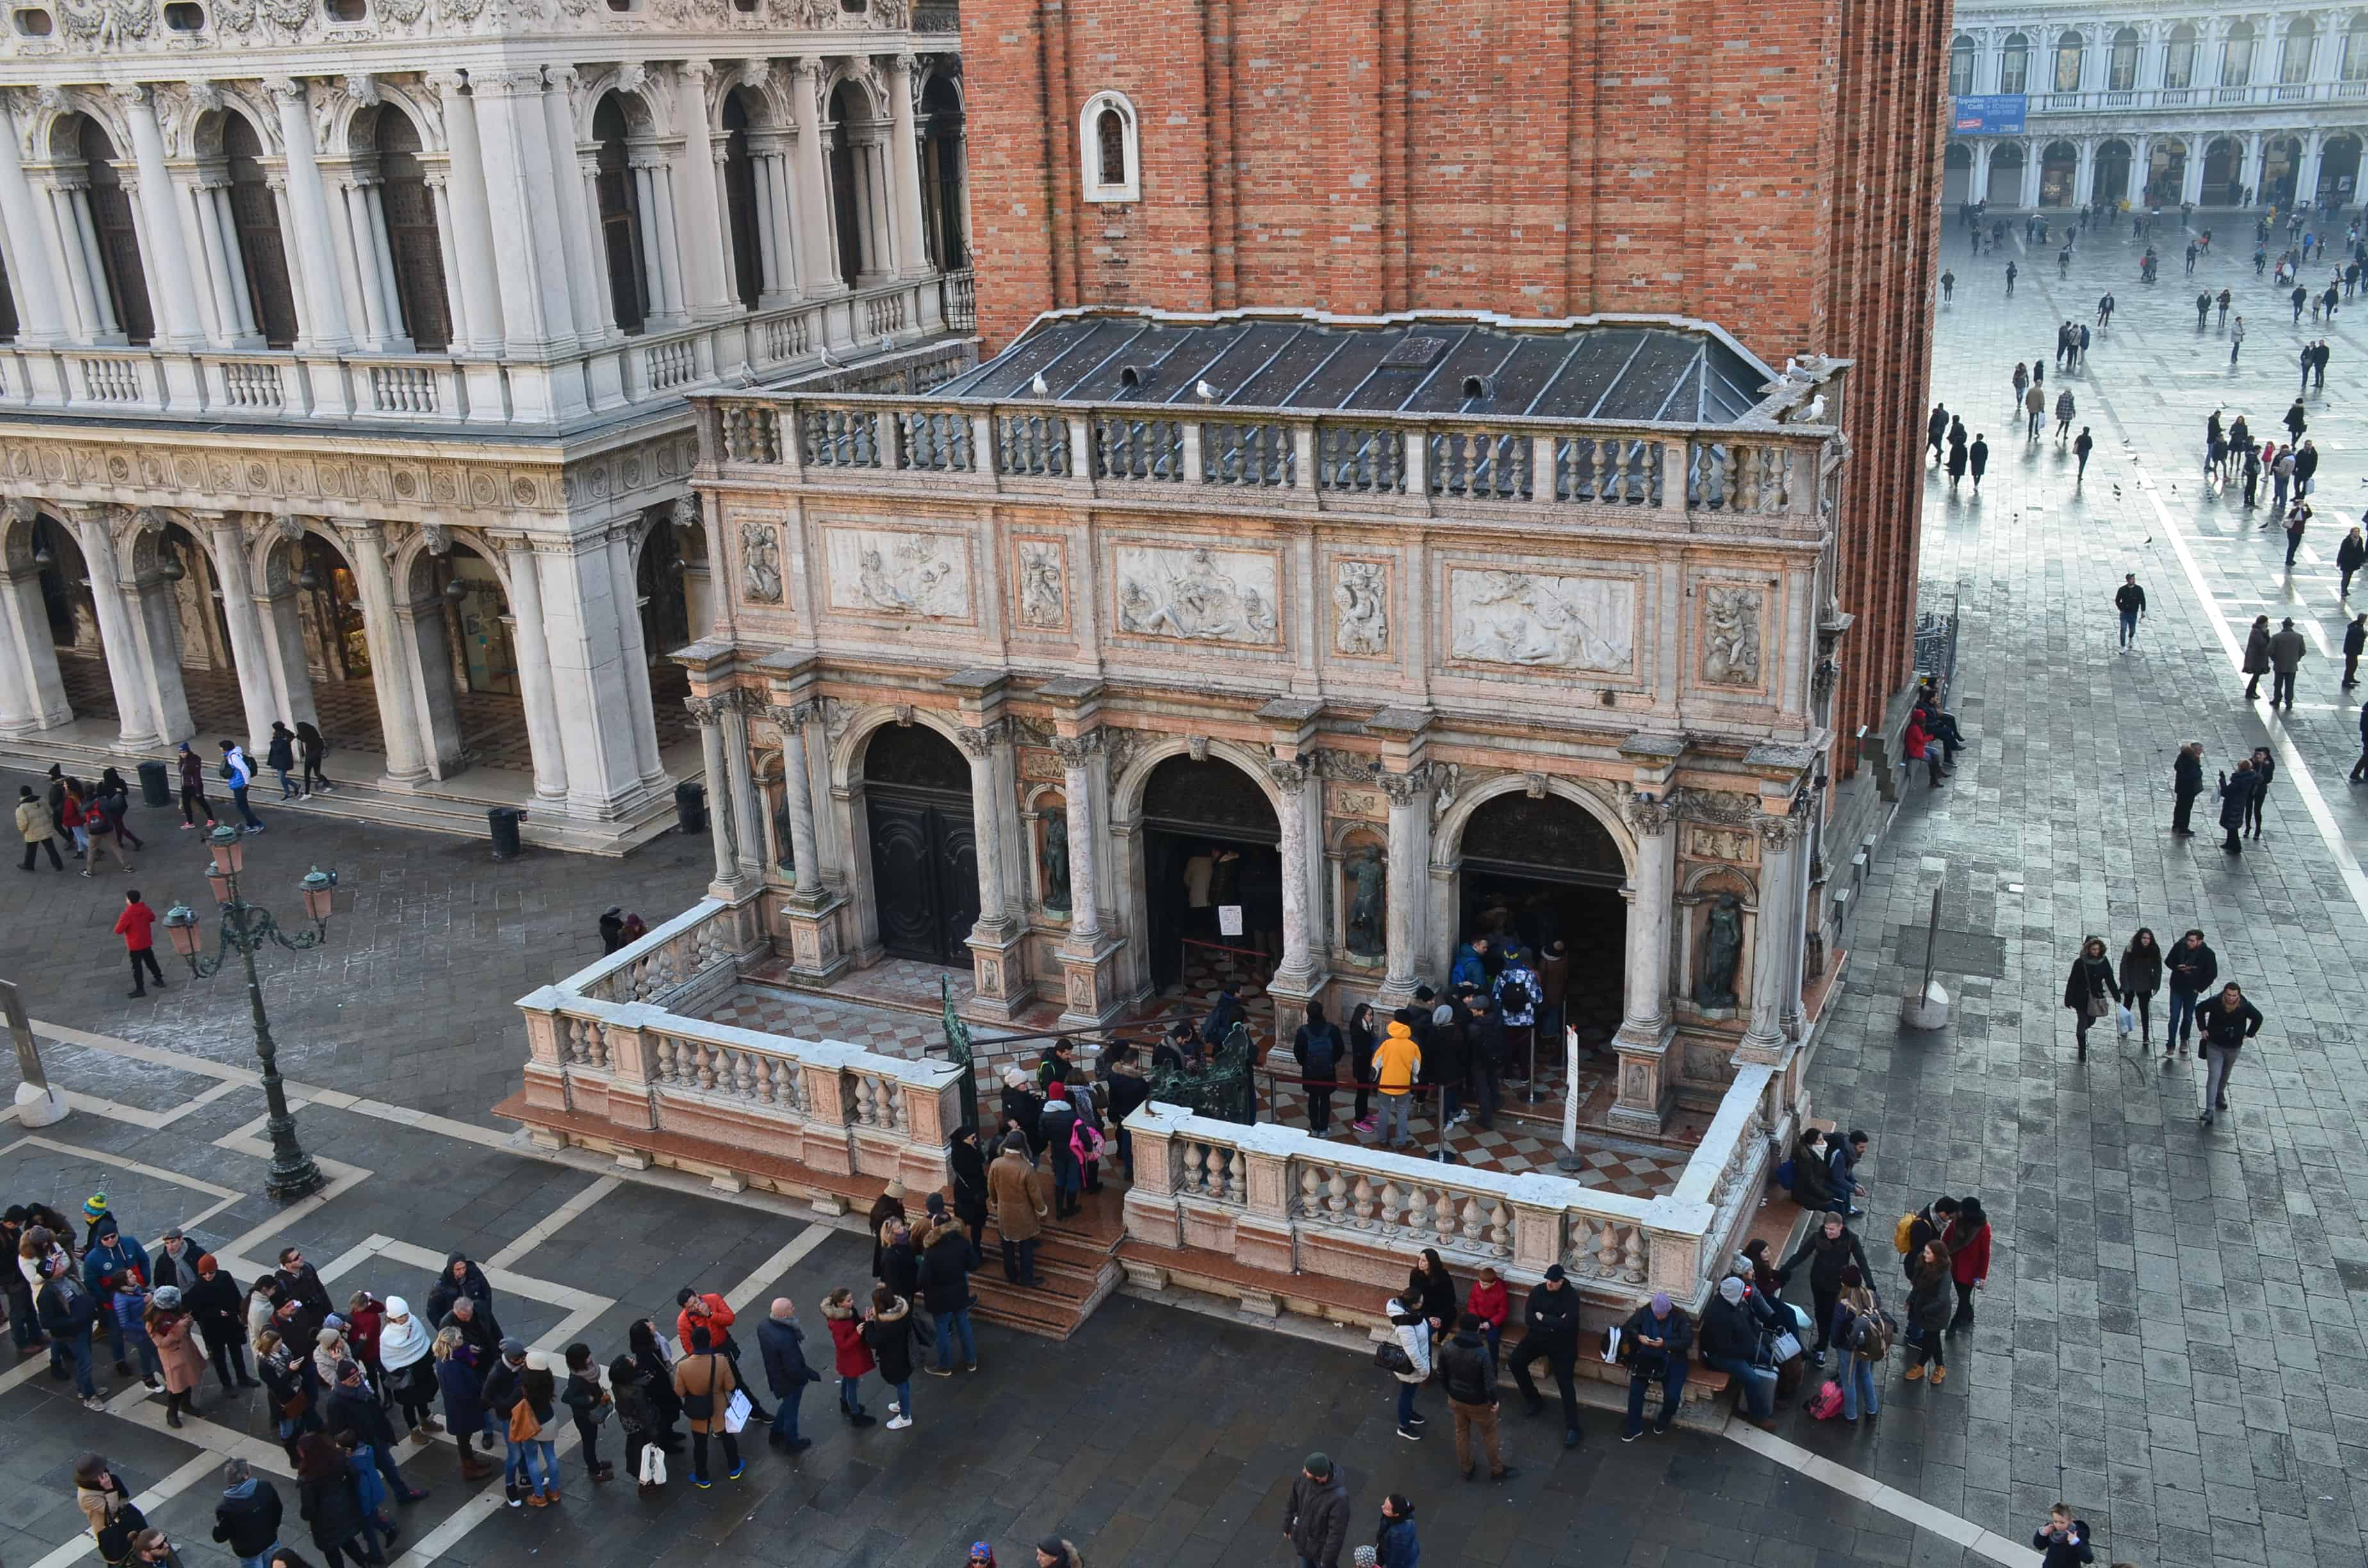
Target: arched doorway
x,y
853,187
2059,169
1210,841
942,174
1956,175
2281,159
317,646
2166,171
621,218
2339,168
1535,868
415,248
670,577
2005,187
254,219
2112,178
924,845
2224,171
469,681
740,209
122,283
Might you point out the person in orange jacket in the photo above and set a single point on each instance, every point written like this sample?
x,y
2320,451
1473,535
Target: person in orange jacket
x,y
1396,1062
712,1313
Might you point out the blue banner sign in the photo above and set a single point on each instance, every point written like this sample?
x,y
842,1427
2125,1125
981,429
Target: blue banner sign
x,y
1991,114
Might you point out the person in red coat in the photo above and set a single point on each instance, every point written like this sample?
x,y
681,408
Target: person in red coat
x,y
134,924
1921,747
1968,1243
1490,1303
852,1355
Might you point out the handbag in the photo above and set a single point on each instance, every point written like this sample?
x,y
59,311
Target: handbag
x,y
1391,1356
525,1427
1787,1346
293,1407
736,1413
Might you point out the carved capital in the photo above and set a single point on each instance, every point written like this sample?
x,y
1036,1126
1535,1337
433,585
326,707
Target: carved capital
x,y
1405,788
707,710
129,92
288,88
792,717
445,85
982,740
1079,751
1648,815
1780,832
1290,776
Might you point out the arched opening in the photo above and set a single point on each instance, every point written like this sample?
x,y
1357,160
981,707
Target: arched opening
x,y
117,236
2112,178
2059,169
1533,869
1210,844
946,207
1956,175
2179,58
2237,56
459,627
2224,172
1962,55
2122,67
2166,171
2339,168
415,248
2070,55
2354,67
318,646
2294,59
2281,160
621,218
924,845
852,188
2005,187
2014,64
672,582
254,216
8,305
72,619
740,202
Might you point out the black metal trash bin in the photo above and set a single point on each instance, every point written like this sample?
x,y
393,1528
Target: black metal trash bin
x,y
156,784
690,807
503,820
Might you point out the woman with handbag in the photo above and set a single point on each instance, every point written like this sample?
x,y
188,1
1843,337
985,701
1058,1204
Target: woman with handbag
x,y
1861,1353
655,1358
704,1383
535,1452
284,1385
2141,977
1967,1241
2090,990
644,1457
590,1403
1408,1361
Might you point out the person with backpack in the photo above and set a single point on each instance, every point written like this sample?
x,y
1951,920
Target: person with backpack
x,y
1655,1344
1520,993
1863,1335
1967,1244
191,768
238,773
1413,1330
1926,1224
1843,1160
1316,1047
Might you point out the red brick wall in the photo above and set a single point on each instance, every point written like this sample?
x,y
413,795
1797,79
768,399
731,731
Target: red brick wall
x,y
1769,166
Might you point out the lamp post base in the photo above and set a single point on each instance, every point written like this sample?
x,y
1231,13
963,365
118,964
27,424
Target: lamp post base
x,y
292,1179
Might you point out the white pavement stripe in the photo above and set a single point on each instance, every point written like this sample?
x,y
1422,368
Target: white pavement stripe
x,y
142,1408
147,1497
773,1268
544,1229
1874,1494
2291,762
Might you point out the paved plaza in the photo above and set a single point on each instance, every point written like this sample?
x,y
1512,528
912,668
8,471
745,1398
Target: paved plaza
x,y
2170,1339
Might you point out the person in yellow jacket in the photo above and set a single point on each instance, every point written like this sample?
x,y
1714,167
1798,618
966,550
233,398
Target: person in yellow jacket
x,y
1396,1062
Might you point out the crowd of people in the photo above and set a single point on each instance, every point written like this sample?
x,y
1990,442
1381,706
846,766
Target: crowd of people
x,y
93,816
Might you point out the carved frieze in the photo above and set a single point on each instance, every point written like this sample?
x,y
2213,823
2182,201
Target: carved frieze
x,y
760,563
1731,616
886,572
1360,608
1542,620
1198,595
1042,572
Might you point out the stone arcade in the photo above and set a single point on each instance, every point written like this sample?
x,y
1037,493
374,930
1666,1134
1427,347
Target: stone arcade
x,y
355,392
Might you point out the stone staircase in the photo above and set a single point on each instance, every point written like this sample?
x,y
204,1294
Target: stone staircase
x,y
1076,1265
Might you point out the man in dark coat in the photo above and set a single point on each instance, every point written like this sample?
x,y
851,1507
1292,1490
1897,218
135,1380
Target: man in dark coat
x,y
2186,783
299,1282
2236,794
2226,1023
782,1344
946,1260
1470,1373
1831,1245
461,1277
247,1518
1550,1330
1656,1342
353,1406
2191,967
1316,1519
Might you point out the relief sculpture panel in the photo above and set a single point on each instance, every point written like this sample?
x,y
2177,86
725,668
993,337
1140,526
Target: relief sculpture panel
x,y
1199,594
925,576
1540,620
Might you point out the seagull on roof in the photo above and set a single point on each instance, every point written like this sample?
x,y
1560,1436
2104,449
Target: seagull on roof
x,y
1040,386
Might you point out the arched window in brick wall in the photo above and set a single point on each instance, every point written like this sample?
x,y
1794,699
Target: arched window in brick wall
x,y
1110,151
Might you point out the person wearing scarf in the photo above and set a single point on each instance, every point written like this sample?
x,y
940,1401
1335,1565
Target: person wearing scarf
x,y
404,1347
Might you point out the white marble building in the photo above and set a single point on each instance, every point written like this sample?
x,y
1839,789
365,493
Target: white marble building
x,y
2180,102
344,349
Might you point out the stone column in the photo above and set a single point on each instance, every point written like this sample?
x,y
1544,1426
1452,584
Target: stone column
x,y
227,549
998,943
479,284
381,318
604,301
40,310
810,912
905,171
136,723
32,695
740,782
1409,850
817,264
635,656
535,689
172,280
321,313
700,210
596,716
584,289
537,316
1090,976
390,671
671,254
1772,941
234,309
657,265
70,196
283,624
708,711
1296,979
980,744
1648,1026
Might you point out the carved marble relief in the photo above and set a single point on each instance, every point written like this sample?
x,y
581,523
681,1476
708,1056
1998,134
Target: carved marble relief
x,y
884,572
1361,599
1731,634
1729,845
760,563
1198,595
1043,585
1541,621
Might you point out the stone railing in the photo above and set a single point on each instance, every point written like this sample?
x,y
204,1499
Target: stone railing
x,y
1279,1199
1759,474
616,1056
2203,96
286,386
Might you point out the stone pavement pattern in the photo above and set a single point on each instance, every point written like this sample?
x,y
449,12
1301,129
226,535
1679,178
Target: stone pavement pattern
x,y
2172,1333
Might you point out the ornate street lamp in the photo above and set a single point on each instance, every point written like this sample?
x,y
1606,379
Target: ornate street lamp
x,y
246,928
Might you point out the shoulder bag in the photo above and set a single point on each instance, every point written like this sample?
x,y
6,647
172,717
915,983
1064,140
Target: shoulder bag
x,y
701,1406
